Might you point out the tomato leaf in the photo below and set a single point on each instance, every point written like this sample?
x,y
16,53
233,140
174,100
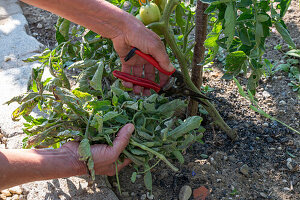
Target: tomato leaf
x,y
179,15
284,34
96,81
189,124
133,177
148,177
230,18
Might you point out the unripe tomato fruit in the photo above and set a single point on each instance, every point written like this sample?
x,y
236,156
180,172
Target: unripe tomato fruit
x,y
150,13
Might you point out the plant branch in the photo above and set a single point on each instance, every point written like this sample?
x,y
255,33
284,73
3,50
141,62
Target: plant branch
x,y
199,50
184,65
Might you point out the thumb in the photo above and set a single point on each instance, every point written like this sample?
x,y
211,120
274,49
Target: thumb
x,y
122,139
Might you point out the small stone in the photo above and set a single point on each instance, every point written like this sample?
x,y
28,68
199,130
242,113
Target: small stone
x,y
39,25
150,196
15,197
219,180
265,124
286,189
264,195
125,194
2,196
245,170
231,158
35,34
282,102
185,192
225,158
289,166
266,94
143,197
132,194
256,175
6,192
115,184
138,176
269,139
213,161
279,148
15,190
7,58
289,160
22,197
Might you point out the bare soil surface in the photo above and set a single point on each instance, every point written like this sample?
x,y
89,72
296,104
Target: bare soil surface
x,y
264,163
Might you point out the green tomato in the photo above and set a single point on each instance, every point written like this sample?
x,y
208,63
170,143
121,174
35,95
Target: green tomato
x,y
150,13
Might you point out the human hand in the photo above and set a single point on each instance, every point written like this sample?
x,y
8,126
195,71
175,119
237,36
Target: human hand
x,y
135,34
104,156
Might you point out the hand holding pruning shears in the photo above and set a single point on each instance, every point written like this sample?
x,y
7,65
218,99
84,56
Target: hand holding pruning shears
x,y
136,34
175,86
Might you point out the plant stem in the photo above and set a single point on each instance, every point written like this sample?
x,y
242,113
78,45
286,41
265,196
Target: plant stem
x,y
184,65
160,156
199,50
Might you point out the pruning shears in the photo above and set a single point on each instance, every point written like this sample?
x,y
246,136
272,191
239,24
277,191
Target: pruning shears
x,y
174,87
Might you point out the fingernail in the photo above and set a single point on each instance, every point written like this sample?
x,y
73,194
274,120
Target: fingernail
x,y
130,128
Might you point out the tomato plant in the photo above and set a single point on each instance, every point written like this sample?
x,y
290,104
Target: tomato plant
x,y
98,106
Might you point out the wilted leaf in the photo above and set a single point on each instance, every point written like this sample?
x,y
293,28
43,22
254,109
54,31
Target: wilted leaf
x,y
179,156
169,108
133,177
84,149
189,124
110,115
294,52
96,81
83,96
83,64
148,177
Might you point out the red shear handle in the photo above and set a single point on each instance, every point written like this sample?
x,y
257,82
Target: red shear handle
x,y
153,62
136,80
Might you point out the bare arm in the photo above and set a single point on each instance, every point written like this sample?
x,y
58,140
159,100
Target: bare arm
x,y
113,23
18,166
97,15
21,165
